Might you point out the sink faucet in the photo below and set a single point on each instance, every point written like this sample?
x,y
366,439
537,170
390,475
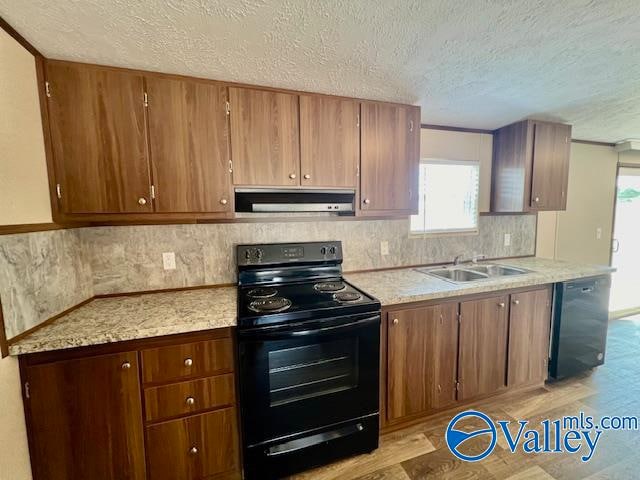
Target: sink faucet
x,y
457,260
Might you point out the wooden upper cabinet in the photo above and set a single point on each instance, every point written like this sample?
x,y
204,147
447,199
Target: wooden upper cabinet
x,y
551,152
265,137
421,359
529,323
390,150
530,167
189,145
329,141
98,136
85,419
483,346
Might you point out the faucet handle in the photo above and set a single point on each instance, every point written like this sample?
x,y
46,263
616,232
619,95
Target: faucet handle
x,y
478,256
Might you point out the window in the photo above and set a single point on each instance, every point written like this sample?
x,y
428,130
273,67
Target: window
x,y
448,197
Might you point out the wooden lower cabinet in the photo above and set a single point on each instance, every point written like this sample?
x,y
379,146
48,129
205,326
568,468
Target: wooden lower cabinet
x,y
484,328
422,359
196,447
530,321
85,419
439,354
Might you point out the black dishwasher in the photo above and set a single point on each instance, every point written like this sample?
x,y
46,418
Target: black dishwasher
x,y
580,320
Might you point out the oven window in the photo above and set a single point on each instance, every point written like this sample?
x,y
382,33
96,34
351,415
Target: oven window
x,y
309,371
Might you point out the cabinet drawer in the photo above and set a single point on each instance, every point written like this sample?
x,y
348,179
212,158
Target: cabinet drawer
x,y
193,448
189,397
176,362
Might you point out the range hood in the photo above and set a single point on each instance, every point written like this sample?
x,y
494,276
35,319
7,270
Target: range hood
x,y
280,200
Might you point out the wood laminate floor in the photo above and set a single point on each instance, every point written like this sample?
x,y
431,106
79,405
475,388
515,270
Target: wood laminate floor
x,y
419,452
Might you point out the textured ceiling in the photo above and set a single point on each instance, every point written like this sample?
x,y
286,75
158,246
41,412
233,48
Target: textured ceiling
x,y
474,63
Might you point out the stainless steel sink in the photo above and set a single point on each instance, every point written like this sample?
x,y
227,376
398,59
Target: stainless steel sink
x,y
472,272
456,274
497,270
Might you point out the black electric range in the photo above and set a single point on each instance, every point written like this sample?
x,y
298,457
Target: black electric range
x,y
308,346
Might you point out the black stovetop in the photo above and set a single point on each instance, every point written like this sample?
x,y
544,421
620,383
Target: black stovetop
x,y
307,301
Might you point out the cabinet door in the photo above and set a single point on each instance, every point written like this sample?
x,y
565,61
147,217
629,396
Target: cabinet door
x,y
550,175
85,419
265,137
98,136
193,448
483,346
530,319
189,144
390,137
422,359
329,141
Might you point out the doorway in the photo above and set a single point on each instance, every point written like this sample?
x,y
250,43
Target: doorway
x,y
625,248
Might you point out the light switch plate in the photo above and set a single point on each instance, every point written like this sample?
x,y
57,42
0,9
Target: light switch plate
x,y
507,239
384,248
169,260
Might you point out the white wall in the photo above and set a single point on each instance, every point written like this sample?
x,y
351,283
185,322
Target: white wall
x,y
24,190
24,198
450,145
572,234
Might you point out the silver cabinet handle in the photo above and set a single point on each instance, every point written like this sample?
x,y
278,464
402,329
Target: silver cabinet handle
x,y
411,125
193,450
292,175
501,305
307,176
537,199
516,302
188,362
126,365
142,201
367,201
223,201
190,401
395,321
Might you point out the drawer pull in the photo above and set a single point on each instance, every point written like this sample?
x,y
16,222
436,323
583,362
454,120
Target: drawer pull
x,y
190,401
188,362
126,365
193,450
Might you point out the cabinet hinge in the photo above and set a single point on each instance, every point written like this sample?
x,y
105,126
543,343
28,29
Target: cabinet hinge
x,y
358,120
230,166
145,99
27,390
47,89
227,107
457,386
58,191
357,170
153,192
459,318
411,125
566,139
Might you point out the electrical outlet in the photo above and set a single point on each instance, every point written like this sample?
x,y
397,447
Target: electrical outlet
x,y
507,239
598,233
384,248
169,260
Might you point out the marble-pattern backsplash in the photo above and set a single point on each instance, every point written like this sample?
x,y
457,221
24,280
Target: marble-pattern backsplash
x,y
44,273
125,259
41,275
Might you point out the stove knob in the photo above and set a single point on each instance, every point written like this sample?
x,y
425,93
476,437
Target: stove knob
x,y
332,250
323,250
247,254
259,253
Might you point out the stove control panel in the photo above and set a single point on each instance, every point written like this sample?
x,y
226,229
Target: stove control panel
x,y
282,253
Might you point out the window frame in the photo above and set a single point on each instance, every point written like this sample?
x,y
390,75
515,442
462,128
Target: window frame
x,y
450,231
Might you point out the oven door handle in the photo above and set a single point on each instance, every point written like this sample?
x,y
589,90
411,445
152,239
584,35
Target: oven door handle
x,y
316,331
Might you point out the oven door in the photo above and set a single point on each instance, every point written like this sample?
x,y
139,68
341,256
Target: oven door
x,y
308,376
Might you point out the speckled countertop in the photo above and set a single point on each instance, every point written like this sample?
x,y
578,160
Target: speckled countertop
x,y
114,319
409,285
